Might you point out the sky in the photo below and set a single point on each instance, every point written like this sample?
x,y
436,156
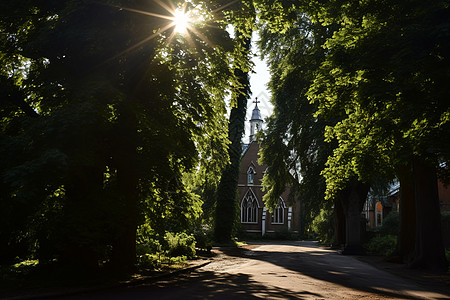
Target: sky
x,y
258,84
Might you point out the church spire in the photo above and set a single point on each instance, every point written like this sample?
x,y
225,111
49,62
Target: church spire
x,y
256,121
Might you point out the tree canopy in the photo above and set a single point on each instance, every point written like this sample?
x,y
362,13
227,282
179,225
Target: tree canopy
x,y
104,111
377,86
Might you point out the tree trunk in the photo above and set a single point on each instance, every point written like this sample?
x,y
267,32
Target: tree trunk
x,y
226,193
429,250
353,202
124,245
227,190
81,234
407,235
339,224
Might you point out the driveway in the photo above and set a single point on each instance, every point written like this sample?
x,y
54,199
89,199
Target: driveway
x,y
285,270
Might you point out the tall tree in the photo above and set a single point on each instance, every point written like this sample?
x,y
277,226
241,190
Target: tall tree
x,y
109,110
385,71
293,146
242,17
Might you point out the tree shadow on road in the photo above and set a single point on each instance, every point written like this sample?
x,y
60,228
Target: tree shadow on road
x,y
329,266
201,285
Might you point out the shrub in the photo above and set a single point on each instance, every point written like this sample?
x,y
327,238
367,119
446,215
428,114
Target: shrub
x,y
204,238
148,261
180,244
323,226
150,246
382,245
391,224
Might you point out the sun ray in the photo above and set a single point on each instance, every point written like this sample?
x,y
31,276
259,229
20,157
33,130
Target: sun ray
x,y
180,21
202,37
170,9
171,36
224,6
141,42
147,13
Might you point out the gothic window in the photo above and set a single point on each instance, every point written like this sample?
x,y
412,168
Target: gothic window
x,y
278,213
249,208
251,175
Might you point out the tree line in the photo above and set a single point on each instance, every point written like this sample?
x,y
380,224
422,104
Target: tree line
x,y
111,122
361,98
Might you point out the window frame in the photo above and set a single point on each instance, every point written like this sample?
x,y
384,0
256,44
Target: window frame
x,y
251,175
279,211
253,219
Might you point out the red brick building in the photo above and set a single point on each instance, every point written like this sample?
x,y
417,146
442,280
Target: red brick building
x,y
255,218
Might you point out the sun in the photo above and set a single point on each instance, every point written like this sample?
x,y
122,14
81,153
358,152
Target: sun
x,y
181,20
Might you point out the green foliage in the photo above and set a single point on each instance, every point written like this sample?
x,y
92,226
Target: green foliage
x,y
243,13
323,226
204,237
148,261
383,96
293,145
101,123
153,251
180,244
391,224
382,245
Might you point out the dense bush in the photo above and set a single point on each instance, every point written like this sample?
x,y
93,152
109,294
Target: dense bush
x,y
204,238
148,261
174,248
180,244
391,224
322,225
151,246
382,245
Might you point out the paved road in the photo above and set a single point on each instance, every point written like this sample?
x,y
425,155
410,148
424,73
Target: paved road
x,y
291,270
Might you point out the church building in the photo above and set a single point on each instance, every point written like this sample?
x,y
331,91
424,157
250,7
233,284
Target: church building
x,y
254,217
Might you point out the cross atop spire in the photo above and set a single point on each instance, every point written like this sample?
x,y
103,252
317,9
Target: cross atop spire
x,y
256,101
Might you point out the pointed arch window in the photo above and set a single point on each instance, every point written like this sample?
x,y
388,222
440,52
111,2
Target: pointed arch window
x,y
250,175
249,208
278,213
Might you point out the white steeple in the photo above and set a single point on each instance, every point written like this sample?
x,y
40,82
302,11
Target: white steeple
x,y
256,121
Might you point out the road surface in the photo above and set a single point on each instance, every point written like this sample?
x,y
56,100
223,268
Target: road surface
x,y
285,270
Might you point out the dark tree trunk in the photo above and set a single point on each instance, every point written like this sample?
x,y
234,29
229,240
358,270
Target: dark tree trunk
x,y
429,250
339,224
124,244
227,190
353,200
407,235
81,234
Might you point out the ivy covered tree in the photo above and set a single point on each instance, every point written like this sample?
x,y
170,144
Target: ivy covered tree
x,y
242,16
